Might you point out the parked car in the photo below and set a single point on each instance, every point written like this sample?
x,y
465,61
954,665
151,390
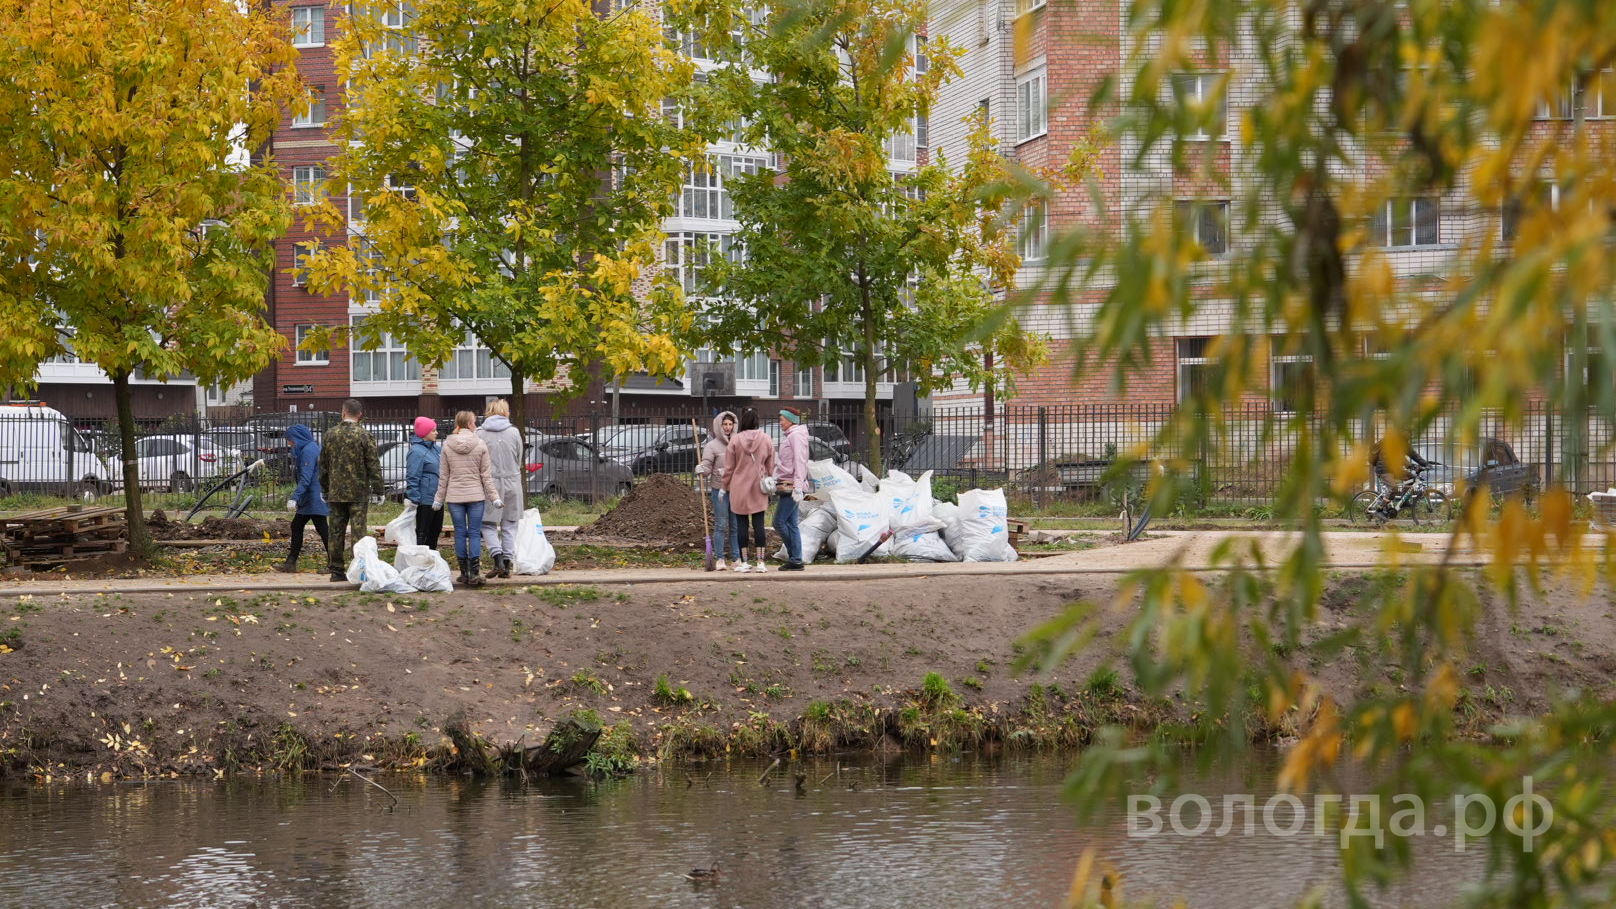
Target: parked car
x,y
177,462
40,451
269,431
819,449
647,449
567,465
395,468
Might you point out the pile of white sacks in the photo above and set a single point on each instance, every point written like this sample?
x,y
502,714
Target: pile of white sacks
x,y
850,515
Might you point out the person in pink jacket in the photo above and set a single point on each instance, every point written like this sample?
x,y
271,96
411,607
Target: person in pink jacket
x,y
791,479
749,458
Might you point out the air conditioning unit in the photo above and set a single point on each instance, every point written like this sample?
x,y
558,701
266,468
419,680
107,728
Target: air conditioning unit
x,y
712,380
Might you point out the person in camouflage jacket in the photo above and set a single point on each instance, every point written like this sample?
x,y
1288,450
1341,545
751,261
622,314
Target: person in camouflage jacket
x,y
350,474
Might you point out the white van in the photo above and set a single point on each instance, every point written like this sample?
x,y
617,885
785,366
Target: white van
x,y
40,451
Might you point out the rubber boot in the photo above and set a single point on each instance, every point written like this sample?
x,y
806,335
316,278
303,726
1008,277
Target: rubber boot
x,y
287,567
465,572
502,566
476,577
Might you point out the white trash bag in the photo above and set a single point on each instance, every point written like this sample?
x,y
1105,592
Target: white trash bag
x,y
861,520
815,527
371,573
981,531
402,528
826,479
534,554
910,501
423,568
921,546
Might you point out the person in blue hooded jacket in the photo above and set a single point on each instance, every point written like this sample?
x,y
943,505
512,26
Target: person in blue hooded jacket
x,y
307,503
421,481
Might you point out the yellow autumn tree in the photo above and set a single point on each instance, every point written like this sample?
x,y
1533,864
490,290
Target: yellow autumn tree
x,y
1357,122
508,166
136,228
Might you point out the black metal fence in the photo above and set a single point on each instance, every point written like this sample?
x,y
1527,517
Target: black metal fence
x,y
1046,453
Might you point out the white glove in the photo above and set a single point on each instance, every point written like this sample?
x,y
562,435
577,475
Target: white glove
x,y
702,470
796,495
376,500
498,504
291,506
437,506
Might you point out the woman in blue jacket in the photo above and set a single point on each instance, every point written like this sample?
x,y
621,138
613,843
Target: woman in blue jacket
x,y
307,503
421,481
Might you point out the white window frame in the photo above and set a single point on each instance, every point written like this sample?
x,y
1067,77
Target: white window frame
x,y
1275,362
1562,106
308,357
804,382
1023,7
311,31
1384,234
1509,216
687,253
314,116
300,255
389,348
1189,362
704,194
471,350
355,207
1032,240
1032,103
1197,91
307,183
1599,102
1190,212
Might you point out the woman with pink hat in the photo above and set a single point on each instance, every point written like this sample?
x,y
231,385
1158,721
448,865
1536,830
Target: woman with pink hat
x,y
421,481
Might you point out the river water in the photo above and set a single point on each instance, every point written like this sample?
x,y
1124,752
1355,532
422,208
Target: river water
x,y
915,832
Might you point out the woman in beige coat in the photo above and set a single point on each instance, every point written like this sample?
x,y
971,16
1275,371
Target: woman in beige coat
x,y
466,482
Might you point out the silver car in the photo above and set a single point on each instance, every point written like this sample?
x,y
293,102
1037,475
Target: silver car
x,y
570,466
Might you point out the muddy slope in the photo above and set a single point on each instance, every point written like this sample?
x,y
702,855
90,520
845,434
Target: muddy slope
x,y
197,683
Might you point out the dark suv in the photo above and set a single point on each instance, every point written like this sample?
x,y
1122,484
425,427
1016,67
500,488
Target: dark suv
x,y
646,449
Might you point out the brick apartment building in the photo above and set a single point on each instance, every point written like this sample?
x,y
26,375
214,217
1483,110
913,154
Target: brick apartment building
x,y
392,380
1036,89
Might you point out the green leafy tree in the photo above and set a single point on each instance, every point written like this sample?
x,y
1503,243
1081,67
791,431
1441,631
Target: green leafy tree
x,y
513,168
838,253
1354,109
136,232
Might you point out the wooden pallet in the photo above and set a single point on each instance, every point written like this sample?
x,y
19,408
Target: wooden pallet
x,y
72,519
55,536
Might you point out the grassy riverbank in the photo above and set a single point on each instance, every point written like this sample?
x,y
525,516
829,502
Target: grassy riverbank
x,y
205,684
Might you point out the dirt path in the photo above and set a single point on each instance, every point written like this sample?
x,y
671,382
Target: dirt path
x,y
185,681
1193,549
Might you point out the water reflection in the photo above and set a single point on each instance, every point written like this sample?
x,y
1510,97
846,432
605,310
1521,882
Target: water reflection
x,y
938,832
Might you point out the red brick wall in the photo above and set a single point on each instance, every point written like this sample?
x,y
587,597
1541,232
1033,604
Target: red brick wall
x,y
291,305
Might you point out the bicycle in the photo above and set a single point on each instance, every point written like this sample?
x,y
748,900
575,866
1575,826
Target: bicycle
x,y
1415,497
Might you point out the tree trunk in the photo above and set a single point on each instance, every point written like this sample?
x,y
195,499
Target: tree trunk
x,y
519,420
872,428
139,539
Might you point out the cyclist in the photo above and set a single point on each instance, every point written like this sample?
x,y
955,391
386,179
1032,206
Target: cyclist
x,y
1412,465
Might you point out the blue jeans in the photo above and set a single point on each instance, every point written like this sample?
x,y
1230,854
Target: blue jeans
x,y
468,521
722,529
785,521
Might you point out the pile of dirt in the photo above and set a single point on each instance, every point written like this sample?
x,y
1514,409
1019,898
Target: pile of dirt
x,y
661,511
163,528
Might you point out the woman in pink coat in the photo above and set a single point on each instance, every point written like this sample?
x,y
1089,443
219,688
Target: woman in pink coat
x,y
749,459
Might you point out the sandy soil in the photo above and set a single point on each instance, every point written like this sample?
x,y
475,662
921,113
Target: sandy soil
x,y
191,682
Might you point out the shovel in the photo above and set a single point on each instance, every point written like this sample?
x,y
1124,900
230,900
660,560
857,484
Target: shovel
x,y
708,564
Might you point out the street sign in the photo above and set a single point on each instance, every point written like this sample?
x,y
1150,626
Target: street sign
x,y
297,389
